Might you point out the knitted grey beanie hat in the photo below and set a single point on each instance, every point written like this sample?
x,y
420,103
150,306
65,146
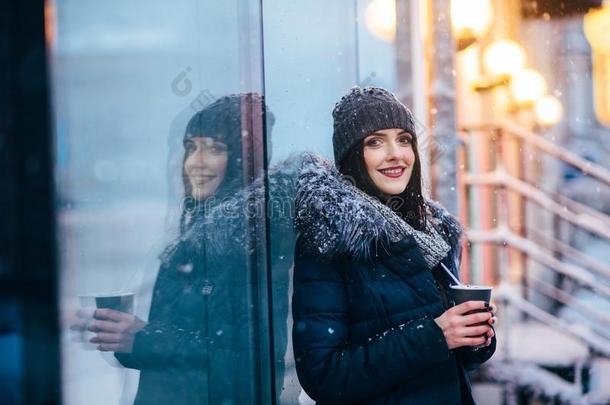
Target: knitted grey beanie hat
x,y
363,111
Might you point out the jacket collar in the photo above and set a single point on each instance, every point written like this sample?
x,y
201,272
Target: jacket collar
x,y
336,219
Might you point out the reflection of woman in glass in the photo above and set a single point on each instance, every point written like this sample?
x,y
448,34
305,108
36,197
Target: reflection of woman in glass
x,y
371,319
195,347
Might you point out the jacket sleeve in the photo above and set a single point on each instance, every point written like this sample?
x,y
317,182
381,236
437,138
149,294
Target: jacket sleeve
x,y
472,359
160,346
161,343
331,368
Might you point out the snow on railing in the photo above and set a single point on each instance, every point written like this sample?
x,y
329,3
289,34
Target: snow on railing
x,y
561,296
598,344
540,382
525,375
570,211
502,235
586,167
560,247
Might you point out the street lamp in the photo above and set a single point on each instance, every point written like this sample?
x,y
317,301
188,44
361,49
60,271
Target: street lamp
x,y
504,65
527,86
503,57
380,19
548,111
470,20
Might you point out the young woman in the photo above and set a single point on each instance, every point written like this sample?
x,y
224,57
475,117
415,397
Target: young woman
x,y
371,320
197,346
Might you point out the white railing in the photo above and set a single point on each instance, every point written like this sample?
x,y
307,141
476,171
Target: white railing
x,y
533,245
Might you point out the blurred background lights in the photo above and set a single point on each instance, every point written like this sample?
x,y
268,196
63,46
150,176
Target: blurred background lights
x,y
596,25
470,20
527,86
548,110
380,19
503,57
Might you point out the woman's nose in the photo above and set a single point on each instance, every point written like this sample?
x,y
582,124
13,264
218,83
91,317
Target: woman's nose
x,y
394,151
199,157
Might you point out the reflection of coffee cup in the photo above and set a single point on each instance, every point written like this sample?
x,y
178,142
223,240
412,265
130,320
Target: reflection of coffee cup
x,y
459,294
122,302
119,301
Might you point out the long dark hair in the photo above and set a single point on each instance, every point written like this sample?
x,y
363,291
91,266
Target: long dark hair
x,y
409,205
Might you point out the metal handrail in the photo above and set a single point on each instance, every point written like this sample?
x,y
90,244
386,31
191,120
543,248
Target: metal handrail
x,y
597,343
599,224
557,246
541,383
586,167
562,207
503,235
561,296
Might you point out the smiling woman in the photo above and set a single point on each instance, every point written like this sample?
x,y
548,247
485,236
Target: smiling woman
x,y
372,323
193,347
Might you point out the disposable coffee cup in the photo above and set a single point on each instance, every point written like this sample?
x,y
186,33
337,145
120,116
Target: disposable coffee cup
x,y
459,294
118,301
122,302
470,292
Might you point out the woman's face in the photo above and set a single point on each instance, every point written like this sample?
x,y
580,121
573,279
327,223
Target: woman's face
x,y
205,165
389,159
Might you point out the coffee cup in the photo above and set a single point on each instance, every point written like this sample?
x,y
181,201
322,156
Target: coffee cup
x,y
118,301
122,302
459,294
469,292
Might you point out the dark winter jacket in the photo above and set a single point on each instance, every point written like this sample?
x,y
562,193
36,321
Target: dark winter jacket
x,y
365,299
201,344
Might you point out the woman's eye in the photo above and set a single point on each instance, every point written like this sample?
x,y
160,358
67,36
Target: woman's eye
x,y
405,140
219,148
373,142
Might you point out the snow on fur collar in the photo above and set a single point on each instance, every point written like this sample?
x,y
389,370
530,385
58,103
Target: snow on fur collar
x,y
335,218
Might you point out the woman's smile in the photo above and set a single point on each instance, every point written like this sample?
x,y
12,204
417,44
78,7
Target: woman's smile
x,y
201,178
393,172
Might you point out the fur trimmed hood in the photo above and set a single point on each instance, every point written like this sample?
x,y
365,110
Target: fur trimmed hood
x,y
335,219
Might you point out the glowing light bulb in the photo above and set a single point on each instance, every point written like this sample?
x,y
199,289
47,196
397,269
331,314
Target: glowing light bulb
x,y
503,57
527,86
380,19
470,20
548,110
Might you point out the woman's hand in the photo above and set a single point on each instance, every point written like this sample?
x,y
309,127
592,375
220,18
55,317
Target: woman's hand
x,y
462,330
115,330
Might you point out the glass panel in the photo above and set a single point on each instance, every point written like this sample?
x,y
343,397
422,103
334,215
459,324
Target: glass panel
x,y
152,157
306,72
